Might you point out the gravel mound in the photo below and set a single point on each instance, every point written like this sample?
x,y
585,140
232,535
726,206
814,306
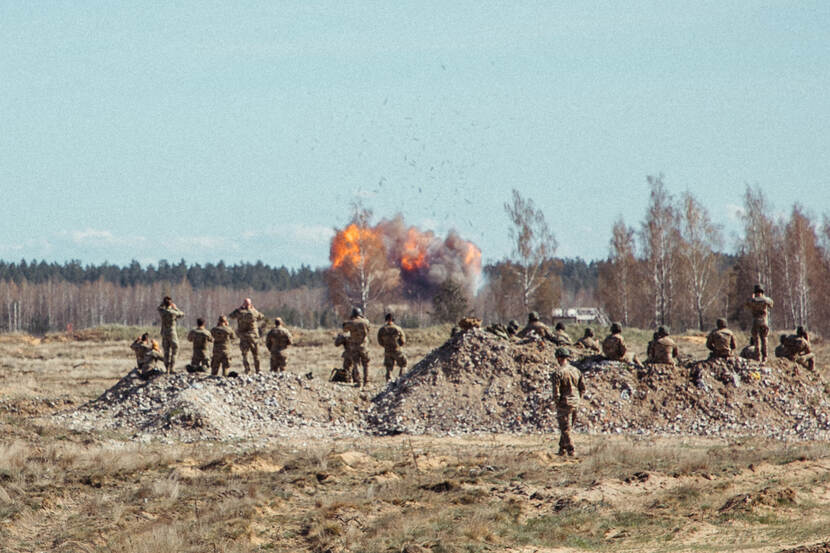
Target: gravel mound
x,y
191,407
477,382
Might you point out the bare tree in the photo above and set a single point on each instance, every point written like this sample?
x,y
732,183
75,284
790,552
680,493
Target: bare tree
x,y
660,238
800,257
618,275
533,245
359,274
700,240
759,237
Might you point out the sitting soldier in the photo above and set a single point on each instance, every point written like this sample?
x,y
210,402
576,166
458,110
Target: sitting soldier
x,y
535,326
751,351
721,342
662,349
560,337
613,347
796,347
147,355
588,342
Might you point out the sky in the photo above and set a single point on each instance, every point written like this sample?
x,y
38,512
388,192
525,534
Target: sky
x,y
244,131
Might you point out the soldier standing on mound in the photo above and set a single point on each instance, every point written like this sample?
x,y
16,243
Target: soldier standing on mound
x,y
277,342
392,338
568,388
169,339
200,336
759,305
223,335
247,320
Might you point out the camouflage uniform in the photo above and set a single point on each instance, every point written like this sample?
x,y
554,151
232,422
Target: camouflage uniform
x,y
759,305
145,355
750,351
201,338
663,349
560,337
277,340
343,340
247,329
589,343
357,346
568,388
392,338
613,347
169,339
535,326
721,342
796,347
222,334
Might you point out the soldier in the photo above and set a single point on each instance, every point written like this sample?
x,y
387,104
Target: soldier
x,y
169,340
358,328
568,388
512,327
247,319
392,338
588,341
721,341
796,347
200,336
560,337
750,351
662,349
536,326
346,372
613,347
759,305
277,341
222,334
146,354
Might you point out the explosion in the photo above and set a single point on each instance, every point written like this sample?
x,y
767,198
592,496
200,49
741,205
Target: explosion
x,y
418,260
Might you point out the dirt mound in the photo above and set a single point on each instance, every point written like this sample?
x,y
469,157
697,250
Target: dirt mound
x,y
817,548
190,407
477,382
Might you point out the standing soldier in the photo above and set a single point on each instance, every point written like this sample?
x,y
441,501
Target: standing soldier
x,y
392,338
358,328
222,335
169,340
200,336
247,319
662,349
560,337
588,342
568,388
721,341
759,305
277,341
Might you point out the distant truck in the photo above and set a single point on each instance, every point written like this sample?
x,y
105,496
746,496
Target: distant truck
x,y
580,315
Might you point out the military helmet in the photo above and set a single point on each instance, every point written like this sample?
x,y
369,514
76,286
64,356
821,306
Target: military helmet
x,y
559,326
277,321
800,332
758,289
662,331
533,316
721,323
616,328
513,323
589,333
357,312
389,317
562,353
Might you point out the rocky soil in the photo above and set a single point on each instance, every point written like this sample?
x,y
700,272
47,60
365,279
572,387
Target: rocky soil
x,y
475,382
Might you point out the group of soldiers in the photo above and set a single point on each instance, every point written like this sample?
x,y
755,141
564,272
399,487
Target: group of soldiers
x,y
355,342
250,323
568,386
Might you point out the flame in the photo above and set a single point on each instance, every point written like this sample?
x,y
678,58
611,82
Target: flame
x,y
414,254
350,244
472,258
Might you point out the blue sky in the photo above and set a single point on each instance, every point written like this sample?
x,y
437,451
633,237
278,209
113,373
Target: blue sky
x,y
243,131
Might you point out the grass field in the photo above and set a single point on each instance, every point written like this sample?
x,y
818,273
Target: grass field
x,y
70,491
